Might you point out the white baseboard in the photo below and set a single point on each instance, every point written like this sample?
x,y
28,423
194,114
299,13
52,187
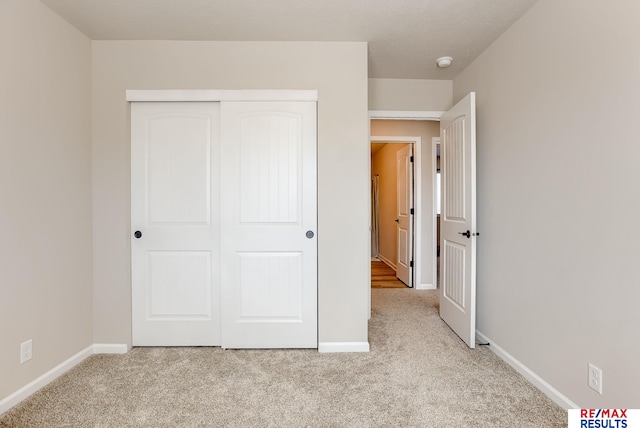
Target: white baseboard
x,y
388,262
343,347
44,380
425,287
59,370
110,348
116,348
532,377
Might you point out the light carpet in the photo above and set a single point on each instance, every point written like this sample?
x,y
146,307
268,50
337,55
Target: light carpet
x,y
418,374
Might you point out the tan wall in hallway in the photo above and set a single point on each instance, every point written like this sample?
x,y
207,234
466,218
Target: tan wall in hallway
x,y
384,163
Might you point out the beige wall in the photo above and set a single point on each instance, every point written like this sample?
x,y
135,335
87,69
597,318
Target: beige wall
x,y
558,270
45,191
384,164
337,70
426,130
410,94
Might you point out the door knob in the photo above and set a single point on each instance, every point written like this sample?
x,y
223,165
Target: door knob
x,y
309,234
467,233
397,220
137,234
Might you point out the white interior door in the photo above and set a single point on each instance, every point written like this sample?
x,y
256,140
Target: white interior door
x,y
175,224
458,217
404,218
268,225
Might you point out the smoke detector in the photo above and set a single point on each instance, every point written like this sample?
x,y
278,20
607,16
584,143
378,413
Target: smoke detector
x,y
444,61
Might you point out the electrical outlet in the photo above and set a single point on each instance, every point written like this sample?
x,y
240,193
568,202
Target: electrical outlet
x,y
26,349
595,378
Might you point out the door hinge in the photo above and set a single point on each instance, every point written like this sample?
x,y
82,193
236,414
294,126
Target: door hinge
x,y
411,211
411,159
411,263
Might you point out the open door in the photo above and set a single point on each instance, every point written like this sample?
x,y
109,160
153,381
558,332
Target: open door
x,y
458,219
404,171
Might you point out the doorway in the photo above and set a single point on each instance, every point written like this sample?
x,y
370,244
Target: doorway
x,y
420,133
392,207
458,204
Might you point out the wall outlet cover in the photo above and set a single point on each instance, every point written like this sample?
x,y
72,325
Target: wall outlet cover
x,y
595,378
26,351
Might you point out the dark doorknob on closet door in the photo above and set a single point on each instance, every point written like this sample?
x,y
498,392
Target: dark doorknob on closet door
x,y
137,234
467,233
397,220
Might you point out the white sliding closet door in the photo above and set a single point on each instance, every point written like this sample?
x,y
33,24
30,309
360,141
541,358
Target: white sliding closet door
x,y
268,225
175,224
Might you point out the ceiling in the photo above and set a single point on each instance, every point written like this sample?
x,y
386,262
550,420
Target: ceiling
x,y
405,36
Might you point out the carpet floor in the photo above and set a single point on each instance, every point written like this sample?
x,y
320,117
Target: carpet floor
x,y
418,374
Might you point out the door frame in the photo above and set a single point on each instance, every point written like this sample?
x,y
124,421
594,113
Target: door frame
x,y
435,145
411,115
417,205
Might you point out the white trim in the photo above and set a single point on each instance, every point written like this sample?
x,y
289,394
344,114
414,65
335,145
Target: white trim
x,y
416,275
110,348
220,95
531,376
385,139
435,141
327,347
44,380
405,115
387,262
425,287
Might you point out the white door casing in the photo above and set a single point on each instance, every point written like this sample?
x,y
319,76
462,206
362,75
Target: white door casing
x,y
268,225
174,220
404,218
458,219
